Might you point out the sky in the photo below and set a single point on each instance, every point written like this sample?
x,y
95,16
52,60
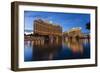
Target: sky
x,y
66,20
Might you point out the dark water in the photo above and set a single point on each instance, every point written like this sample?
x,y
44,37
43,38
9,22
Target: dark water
x,y
70,49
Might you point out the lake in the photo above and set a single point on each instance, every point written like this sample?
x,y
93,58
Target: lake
x,y
69,49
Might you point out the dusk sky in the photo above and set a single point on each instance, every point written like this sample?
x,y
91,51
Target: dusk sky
x,y
66,20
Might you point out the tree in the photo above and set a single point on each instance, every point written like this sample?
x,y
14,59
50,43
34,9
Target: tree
x,y
88,26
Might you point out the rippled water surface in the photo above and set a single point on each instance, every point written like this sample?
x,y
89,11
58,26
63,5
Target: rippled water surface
x,y
70,49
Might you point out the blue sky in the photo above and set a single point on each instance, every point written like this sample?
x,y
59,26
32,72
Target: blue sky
x,y
66,20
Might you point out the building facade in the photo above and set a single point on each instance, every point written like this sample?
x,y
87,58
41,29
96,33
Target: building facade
x,y
45,28
74,33
51,32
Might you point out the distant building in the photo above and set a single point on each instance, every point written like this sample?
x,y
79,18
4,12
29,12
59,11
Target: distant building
x,y
73,33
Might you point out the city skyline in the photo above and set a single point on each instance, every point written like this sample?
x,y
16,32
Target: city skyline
x,y
66,20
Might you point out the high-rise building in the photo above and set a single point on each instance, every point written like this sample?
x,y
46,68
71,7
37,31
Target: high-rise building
x,y
51,32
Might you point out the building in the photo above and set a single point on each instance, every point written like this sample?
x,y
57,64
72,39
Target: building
x,y
73,33
45,28
51,32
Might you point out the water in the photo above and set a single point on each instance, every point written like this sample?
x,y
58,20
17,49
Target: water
x,y
69,49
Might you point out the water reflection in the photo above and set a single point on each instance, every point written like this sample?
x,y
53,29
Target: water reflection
x,y
69,49
75,45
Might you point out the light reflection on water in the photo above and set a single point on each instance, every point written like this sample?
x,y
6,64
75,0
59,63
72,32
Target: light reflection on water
x,y
69,49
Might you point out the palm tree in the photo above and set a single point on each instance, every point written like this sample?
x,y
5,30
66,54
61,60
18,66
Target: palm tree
x,y
88,26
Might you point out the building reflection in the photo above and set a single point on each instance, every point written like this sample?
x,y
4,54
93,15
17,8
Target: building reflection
x,y
46,51
28,44
75,45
